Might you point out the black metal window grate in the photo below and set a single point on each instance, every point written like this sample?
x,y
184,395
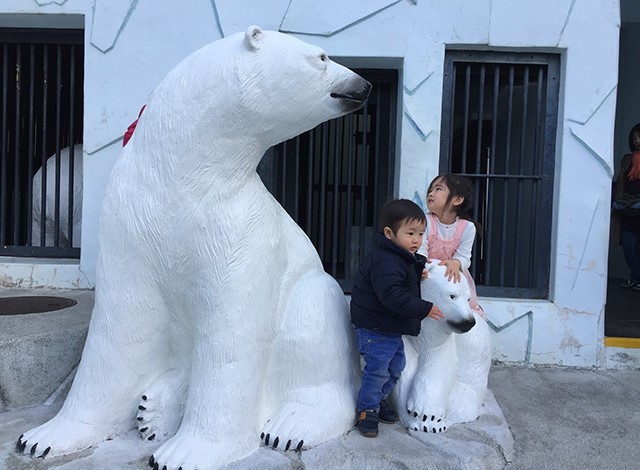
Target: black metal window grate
x,y
334,179
41,113
499,129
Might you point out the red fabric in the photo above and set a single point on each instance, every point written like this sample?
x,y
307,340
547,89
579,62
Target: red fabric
x,y
132,127
634,172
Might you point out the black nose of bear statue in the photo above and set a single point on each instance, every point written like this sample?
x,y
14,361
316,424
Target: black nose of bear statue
x,y
462,326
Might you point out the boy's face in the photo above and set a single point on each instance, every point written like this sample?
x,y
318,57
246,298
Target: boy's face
x,y
408,236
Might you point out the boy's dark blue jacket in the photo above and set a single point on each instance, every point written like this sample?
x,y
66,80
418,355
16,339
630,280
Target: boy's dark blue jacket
x,y
386,291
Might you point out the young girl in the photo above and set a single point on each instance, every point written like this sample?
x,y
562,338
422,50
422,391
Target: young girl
x,y
450,233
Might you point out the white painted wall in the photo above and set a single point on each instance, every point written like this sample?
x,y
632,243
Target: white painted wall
x,y
131,45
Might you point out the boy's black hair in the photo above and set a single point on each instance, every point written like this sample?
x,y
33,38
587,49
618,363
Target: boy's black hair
x,y
399,211
633,130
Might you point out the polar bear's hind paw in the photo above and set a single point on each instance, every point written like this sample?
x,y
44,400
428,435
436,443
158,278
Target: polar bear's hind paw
x,y
21,445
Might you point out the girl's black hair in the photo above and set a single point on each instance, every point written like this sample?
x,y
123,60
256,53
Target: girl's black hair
x,y
459,186
399,211
633,130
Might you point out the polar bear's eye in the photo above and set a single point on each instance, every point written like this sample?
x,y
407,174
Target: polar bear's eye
x,y
452,297
323,57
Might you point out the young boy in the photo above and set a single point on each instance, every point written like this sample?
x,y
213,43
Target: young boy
x,y
386,304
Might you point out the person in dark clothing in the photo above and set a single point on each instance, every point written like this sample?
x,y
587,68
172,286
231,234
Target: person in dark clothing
x,y
386,304
628,200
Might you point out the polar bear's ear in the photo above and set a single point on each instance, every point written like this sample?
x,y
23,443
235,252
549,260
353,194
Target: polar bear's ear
x,y
253,37
431,265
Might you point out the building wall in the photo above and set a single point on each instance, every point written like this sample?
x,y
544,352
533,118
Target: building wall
x,y
132,44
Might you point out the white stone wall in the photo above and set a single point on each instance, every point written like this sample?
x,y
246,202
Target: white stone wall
x,y
130,45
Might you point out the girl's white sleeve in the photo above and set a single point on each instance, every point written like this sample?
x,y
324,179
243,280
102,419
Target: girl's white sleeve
x,y
424,248
463,253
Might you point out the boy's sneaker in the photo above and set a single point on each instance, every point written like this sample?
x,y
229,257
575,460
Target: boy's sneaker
x,y
387,414
629,284
368,423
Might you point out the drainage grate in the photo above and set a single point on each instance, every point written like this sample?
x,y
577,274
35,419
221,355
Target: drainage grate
x,y
33,304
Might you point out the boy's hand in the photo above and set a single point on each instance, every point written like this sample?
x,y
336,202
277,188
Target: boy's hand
x,y
453,269
425,274
435,313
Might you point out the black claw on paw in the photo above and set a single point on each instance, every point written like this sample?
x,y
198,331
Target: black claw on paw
x,y
19,444
432,417
439,419
299,446
156,466
424,429
415,429
151,437
152,460
44,454
434,430
164,467
141,408
439,429
143,429
415,414
266,439
22,447
139,418
261,435
408,411
288,445
144,397
276,441
424,418
444,428
33,449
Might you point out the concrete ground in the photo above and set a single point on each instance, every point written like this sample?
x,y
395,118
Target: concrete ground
x,y
534,418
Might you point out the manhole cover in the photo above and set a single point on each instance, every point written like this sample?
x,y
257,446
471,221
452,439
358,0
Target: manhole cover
x,y
33,304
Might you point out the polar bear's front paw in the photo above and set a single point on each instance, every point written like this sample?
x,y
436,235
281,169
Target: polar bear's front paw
x,y
285,431
426,422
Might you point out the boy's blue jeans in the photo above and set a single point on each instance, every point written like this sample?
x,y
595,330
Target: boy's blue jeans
x,y
384,362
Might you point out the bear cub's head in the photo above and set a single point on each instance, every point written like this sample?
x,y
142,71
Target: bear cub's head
x,y
450,297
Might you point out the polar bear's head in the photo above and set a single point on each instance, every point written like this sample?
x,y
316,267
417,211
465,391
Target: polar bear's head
x,y
450,297
250,90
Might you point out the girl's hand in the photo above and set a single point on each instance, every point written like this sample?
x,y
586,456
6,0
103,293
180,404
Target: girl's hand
x,y
425,274
453,269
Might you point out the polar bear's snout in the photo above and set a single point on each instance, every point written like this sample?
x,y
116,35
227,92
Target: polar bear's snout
x,y
461,326
353,93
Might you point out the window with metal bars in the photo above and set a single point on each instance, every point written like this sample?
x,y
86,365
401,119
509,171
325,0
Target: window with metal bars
x,y
334,179
41,114
499,129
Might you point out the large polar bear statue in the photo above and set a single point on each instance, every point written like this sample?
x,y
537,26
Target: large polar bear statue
x,y
445,380
214,321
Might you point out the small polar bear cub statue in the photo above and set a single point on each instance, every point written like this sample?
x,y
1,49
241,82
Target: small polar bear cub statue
x,y
445,380
215,328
